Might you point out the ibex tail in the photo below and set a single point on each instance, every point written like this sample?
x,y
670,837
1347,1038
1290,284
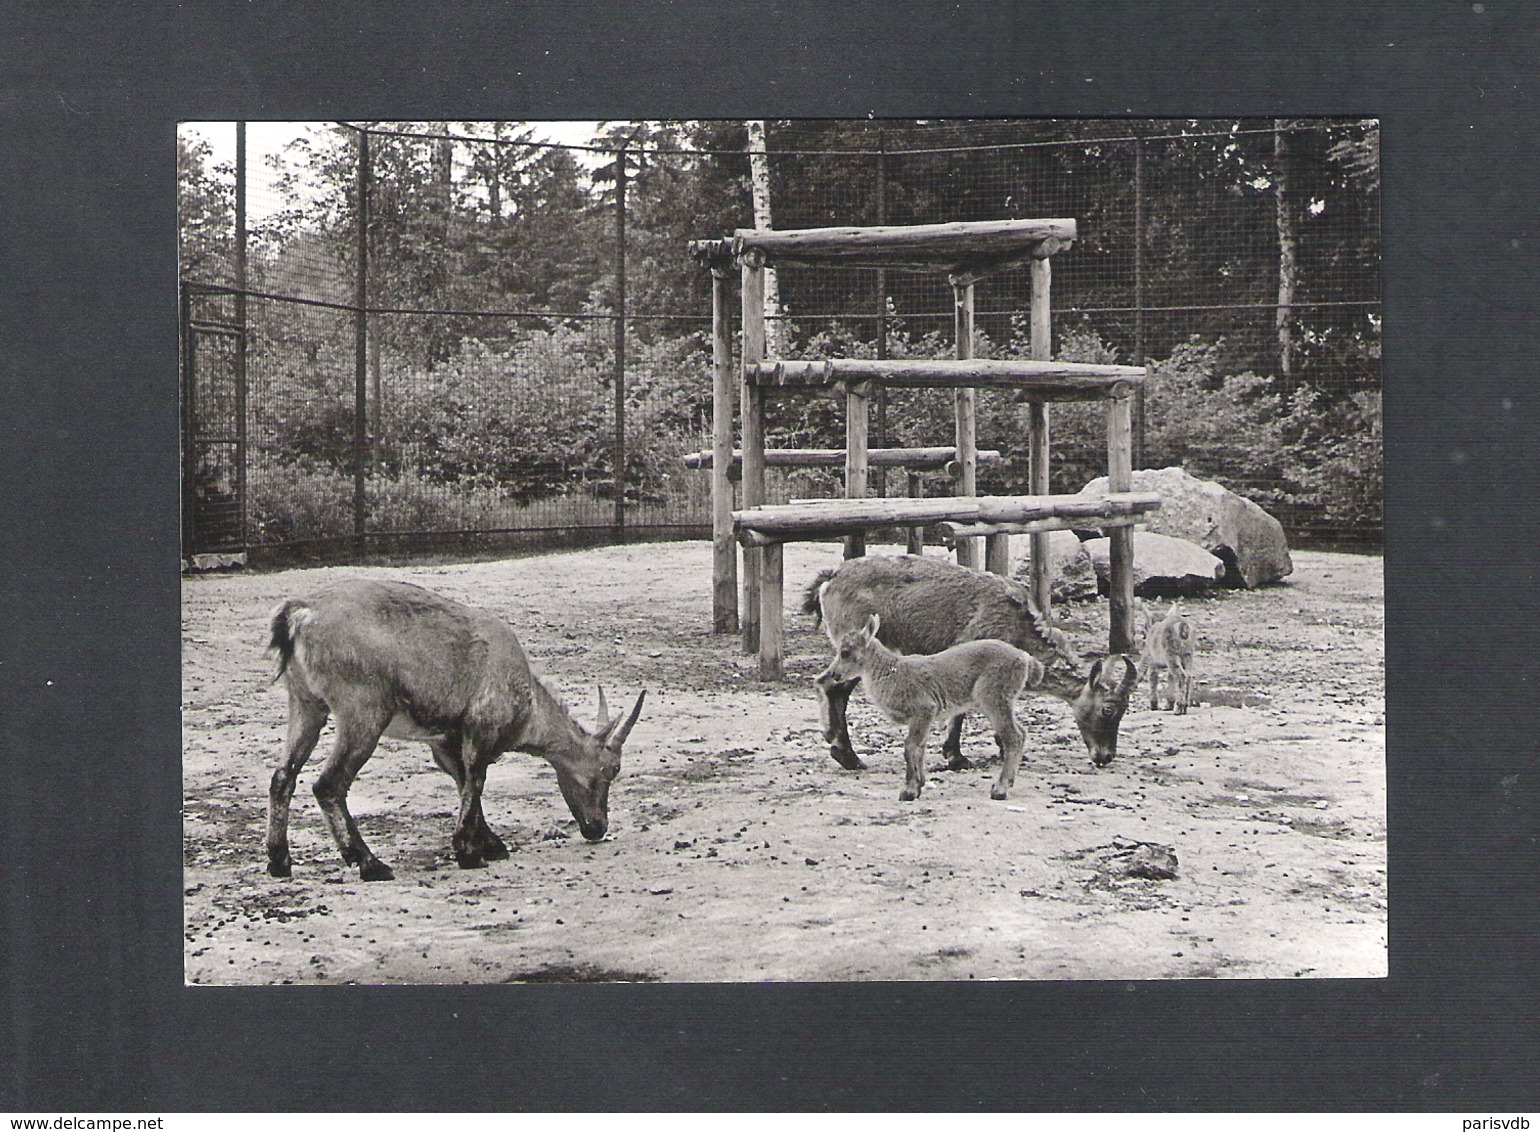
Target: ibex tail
x,y
811,594
283,635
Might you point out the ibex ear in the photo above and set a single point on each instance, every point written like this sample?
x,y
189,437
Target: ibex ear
x,y
873,623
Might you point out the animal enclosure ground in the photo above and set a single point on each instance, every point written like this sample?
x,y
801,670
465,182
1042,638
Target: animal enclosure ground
x,y
739,851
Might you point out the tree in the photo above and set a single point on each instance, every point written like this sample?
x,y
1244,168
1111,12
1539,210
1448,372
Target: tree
x,y
205,213
759,175
1288,271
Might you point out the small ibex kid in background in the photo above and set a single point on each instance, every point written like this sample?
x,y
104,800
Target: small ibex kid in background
x,y
1169,643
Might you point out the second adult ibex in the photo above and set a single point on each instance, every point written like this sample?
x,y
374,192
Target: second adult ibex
x,y
390,658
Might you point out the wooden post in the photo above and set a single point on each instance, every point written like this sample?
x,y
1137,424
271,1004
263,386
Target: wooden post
x,y
770,614
753,295
724,548
967,416
857,420
1037,427
997,554
916,535
1120,451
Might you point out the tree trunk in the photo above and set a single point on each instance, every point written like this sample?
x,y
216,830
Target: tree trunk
x,y
1288,271
440,188
495,175
759,179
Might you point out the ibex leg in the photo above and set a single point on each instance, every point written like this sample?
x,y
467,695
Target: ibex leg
x,y
951,746
995,694
356,740
470,852
447,754
1011,739
307,715
1182,679
914,758
836,731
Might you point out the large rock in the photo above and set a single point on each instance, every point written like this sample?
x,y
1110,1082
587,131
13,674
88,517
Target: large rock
x,y
1070,573
1163,566
1246,538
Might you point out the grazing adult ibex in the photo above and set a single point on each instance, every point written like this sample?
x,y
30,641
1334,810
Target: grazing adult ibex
x,y
918,690
1169,643
390,658
927,605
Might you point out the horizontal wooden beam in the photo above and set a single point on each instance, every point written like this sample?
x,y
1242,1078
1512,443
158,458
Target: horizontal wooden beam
x,y
931,458
1049,381
955,248
952,531
849,516
1030,508
783,522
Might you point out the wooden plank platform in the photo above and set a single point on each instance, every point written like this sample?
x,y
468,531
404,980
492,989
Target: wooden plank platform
x,y
926,247
934,459
1050,381
791,522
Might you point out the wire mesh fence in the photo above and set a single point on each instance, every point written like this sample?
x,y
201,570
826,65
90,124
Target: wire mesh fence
x,y
412,335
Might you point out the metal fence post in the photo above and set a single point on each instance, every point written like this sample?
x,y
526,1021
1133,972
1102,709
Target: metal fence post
x,y
1138,406
620,343
882,308
361,347
240,342
189,461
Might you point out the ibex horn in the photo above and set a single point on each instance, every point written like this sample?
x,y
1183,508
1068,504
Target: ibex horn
x,y
1133,675
604,711
617,740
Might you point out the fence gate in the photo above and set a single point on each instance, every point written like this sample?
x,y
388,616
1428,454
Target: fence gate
x,y
213,431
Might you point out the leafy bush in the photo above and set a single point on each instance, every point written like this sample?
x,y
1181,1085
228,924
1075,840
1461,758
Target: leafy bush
x,y
527,421
500,426
289,502
1337,457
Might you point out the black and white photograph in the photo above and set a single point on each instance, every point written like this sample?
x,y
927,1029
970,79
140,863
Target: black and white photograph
x,y
768,558
788,550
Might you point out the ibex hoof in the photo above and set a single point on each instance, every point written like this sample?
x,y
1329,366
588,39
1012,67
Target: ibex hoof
x,y
908,793
846,758
470,860
375,870
958,761
284,868
997,792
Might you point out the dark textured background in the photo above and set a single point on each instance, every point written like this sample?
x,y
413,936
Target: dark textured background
x,y
93,1015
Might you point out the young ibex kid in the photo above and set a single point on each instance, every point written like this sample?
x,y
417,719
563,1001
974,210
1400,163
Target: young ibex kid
x,y
1169,643
917,691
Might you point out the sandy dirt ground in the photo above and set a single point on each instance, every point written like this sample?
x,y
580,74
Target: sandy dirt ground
x,y
739,851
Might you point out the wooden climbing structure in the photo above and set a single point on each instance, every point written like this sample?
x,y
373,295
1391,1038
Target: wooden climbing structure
x,y
967,253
